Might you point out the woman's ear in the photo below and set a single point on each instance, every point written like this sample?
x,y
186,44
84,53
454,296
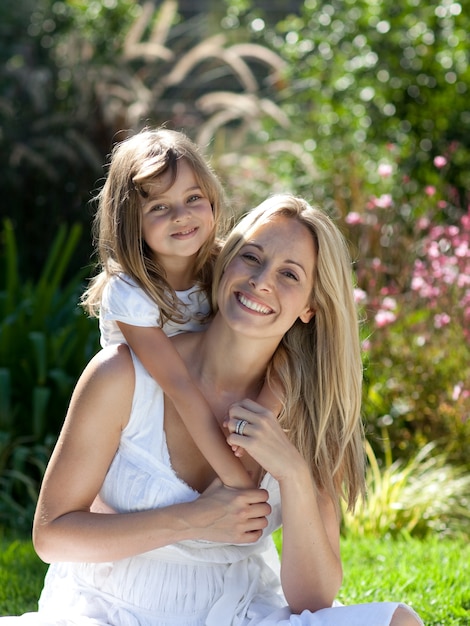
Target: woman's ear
x,y
307,315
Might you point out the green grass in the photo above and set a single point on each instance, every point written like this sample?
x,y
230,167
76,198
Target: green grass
x,y
431,575
21,577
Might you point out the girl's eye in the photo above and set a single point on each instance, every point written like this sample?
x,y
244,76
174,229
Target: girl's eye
x,y
159,207
194,198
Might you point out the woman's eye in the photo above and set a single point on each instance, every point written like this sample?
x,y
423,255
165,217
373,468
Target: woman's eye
x,y
290,275
250,257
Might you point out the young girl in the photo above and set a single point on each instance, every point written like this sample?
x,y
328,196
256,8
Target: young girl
x,y
156,229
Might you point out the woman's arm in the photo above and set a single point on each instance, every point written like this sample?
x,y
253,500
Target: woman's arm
x,y
161,359
311,571
64,528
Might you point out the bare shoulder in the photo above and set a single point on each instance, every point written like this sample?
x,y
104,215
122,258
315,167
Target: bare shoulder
x,y
108,378
110,362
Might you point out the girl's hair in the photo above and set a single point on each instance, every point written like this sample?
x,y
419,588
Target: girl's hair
x,y
117,228
319,363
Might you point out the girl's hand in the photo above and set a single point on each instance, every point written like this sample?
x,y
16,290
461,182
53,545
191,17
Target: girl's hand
x,y
263,438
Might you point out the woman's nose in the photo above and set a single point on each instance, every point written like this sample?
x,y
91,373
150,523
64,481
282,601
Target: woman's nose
x,y
261,279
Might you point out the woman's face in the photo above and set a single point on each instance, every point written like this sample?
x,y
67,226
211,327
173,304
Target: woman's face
x,y
267,286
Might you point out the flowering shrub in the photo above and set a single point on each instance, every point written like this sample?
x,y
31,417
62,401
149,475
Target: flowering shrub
x,y
442,275
413,275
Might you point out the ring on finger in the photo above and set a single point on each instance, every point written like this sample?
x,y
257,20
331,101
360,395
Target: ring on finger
x,y
240,427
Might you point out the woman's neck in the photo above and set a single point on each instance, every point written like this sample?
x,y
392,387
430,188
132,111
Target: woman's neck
x,y
228,367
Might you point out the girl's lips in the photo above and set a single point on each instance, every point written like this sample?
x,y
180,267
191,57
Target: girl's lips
x,y
252,305
184,233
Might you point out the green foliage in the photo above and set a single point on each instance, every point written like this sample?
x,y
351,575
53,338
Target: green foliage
x,y
424,496
45,341
379,74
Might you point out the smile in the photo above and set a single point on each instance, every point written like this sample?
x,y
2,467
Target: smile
x,y
184,233
253,306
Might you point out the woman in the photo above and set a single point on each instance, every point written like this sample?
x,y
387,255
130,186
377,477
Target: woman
x,y
182,549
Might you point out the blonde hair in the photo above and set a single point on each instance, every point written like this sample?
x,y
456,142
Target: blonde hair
x,y
117,227
319,363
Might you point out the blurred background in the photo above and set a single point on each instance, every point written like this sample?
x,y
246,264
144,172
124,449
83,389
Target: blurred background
x,y
360,106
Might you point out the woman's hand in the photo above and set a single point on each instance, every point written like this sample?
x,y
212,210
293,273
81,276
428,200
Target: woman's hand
x,y
223,514
263,438
311,571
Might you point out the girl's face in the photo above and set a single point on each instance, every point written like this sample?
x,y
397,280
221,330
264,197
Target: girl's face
x,y
267,286
176,220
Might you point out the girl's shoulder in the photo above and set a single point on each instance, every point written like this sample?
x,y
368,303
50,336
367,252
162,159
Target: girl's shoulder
x,y
122,297
120,282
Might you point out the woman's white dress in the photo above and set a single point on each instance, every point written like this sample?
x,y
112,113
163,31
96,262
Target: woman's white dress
x,y
192,583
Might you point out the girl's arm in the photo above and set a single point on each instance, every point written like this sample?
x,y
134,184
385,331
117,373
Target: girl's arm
x,y
311,571
64,528
161,359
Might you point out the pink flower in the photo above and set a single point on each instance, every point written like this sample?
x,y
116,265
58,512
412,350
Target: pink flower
x,y
366,344
440,161
384,318
441,320
389,304
430,190
385,170
360,296
384,202
423,223
354,218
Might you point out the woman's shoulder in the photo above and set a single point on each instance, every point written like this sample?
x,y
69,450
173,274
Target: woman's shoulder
x,y
113,363
106,386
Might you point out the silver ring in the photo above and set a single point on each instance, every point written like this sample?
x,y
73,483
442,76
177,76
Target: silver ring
x,y
240,427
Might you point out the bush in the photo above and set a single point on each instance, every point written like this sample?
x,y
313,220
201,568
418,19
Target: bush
x,y
45,341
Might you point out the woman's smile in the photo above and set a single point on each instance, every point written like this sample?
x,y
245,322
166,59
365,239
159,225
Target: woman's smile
x,y
252,305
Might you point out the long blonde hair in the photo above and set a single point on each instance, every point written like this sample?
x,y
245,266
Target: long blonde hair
x,y
117,227
319,363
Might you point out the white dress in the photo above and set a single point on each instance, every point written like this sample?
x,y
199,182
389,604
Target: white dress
x,y
192,583
124,301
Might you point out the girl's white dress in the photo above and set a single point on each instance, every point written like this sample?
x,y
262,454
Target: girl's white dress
x,y
192,583
124,301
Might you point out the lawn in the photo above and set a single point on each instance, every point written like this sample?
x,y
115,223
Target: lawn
x,y
433,576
